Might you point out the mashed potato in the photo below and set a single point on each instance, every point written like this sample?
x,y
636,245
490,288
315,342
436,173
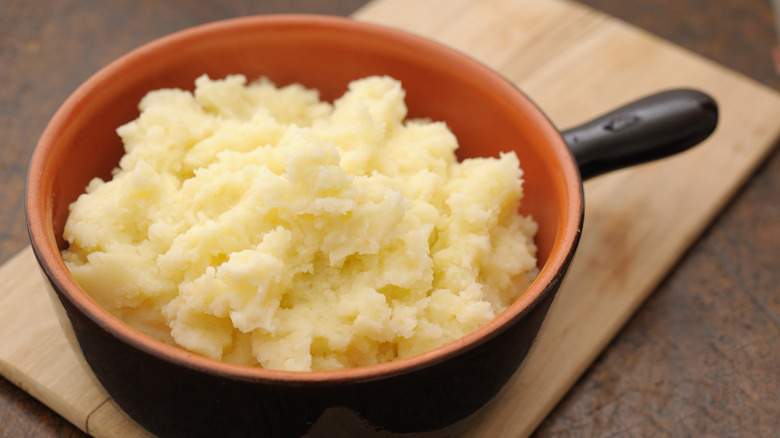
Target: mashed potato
x,y
260,226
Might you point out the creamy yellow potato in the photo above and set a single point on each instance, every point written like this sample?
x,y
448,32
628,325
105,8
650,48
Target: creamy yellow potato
x,y
261,226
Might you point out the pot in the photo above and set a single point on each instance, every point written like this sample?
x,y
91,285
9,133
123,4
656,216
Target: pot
x,y
172,392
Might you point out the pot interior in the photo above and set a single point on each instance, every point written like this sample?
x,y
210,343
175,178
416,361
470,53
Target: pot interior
x,y
486,113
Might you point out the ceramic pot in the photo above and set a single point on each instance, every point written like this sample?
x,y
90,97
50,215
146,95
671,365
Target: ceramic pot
x,y
172,392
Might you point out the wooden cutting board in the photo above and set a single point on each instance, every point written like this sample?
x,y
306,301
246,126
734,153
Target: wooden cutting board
x,y
575,63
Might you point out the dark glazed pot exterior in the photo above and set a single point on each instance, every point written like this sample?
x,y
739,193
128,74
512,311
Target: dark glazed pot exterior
x,y
176,393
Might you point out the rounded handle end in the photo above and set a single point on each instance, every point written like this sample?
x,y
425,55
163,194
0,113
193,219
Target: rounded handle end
x,y
651,128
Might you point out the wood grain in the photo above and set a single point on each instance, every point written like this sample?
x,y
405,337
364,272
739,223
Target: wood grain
x,y
634,233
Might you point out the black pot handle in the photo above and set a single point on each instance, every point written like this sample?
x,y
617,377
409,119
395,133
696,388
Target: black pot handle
x,y
654,127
